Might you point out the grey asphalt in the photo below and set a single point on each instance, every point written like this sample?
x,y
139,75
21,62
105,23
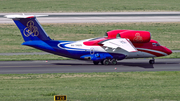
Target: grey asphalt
x,y
77,66
98,17
33,53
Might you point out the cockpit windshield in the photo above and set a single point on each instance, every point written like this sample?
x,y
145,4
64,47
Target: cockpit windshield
x,y
156,44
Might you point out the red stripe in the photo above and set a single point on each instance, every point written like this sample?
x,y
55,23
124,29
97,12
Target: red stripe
x,y
30,17
150,52
159,49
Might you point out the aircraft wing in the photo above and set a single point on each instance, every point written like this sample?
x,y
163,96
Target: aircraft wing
x,y
119,43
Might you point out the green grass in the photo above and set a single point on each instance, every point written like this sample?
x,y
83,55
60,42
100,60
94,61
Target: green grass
x,y
31,57
173,55
167,34
117,86
88,5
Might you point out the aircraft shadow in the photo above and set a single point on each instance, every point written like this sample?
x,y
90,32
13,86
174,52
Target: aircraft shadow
x,y
142,65
128,64
72,64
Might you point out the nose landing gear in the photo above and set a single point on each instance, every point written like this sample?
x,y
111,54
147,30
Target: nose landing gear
x,y
152,61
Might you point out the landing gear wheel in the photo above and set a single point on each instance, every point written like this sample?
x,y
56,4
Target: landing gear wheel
x,y
113,62
96,62
106,62
151,61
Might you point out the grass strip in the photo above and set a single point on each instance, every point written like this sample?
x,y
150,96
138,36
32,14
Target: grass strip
x,y
31,57
23,6
172,56
116,86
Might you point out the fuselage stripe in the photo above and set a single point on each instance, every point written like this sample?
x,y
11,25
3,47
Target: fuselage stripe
x,y
154,52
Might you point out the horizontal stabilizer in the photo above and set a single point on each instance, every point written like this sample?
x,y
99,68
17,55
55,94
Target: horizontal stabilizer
x,y
22,16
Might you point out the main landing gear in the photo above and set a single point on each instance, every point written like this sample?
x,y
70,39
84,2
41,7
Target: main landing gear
x,y
114,62
152,61
106,62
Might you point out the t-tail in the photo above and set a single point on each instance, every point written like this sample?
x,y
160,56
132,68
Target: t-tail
x,y
33,33
29,27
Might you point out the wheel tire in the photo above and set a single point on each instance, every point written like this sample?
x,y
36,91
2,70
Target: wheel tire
x,y
151,61
114,62
106,62
96,62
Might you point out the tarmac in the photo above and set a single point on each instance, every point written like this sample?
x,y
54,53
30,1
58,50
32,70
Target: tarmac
x,y
77,66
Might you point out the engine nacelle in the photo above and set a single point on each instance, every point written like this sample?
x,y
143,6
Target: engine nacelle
x,y
132,35
136,36
113,33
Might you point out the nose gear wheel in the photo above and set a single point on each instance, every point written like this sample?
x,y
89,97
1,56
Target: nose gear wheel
x,y
152,61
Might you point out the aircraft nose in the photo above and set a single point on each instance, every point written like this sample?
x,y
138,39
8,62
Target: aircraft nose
x,y
168,51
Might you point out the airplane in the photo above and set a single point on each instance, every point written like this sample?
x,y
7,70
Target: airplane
x,y
115,45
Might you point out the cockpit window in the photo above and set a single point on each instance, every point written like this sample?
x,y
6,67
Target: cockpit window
x,y
156,44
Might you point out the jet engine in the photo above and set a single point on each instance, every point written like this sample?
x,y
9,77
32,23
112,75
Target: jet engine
x,y
132,35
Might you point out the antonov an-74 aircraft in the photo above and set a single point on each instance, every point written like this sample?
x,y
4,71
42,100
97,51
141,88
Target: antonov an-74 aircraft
x,y
115,45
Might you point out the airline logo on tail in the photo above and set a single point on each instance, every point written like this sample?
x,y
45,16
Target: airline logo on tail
x,y
31,30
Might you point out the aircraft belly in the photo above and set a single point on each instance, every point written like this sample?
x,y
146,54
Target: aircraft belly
x,y
140,54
